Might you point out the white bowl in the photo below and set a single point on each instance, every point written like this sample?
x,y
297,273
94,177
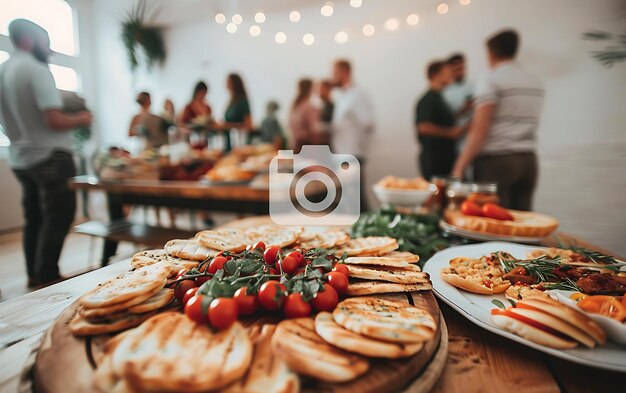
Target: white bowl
x,y
403,197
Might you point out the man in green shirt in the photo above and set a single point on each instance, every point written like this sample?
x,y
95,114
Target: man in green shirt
x,y
434,123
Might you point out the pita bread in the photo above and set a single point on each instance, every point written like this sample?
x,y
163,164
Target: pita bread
x,y
103,379
395,258
190,249
150,257
340,337
371,287
158,300
80,326
296,342
272,235
328,239
126,286
223,239
389,274
369,246
386,320
116,308
266,373
475,275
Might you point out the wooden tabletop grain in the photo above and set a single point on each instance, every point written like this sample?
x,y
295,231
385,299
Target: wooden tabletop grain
x,y
478,360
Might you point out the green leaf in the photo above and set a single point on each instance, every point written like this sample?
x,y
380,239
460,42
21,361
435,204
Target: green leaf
x,y
230,267
498,304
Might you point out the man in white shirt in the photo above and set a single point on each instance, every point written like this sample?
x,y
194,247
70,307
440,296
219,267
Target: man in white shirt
x,y
40,153
459,94
353,119
502,139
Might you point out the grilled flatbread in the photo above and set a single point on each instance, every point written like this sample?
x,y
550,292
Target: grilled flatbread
x,y
150,257
386,320
369,246
223,239
80,326
119,307
267,373
126,286
156,356
296,342
389,274
328,239
371,287
104,380
190,249
272,235
395,258
160,299
340,337
480,275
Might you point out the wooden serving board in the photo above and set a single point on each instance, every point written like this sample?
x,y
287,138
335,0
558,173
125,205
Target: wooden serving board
x,y
65,364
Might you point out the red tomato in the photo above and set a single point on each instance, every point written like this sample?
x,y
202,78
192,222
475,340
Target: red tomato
x,y
339,281
181,273
182,287
269,256
492,210
222,312
341,268
325,300
202,280
296,307
268,295
191,292
246,304
298,256
470,208
193,309
289,264
216,264
259,246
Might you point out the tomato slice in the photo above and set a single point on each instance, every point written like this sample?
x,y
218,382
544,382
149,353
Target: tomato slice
x,y
608,306
491,210
470,208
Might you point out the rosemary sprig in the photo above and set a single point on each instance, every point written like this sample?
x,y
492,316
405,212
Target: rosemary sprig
x,y
540,268
593,256
566,285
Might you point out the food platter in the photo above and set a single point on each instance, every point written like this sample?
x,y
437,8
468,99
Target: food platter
x,y
486,237
477,308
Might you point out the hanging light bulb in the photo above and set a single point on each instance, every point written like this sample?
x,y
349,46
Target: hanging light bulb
x,y
369,30
442,8
294,16
237,19
231,28
465,2
255,31
356,3
308,39
280,37
259,17
412,19
220,18
392,24
341,37
327,9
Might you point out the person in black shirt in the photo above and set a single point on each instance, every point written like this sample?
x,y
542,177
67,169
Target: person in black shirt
x,y
434,123
326,112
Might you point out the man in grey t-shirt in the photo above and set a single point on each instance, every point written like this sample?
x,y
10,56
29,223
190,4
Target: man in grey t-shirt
x,y
502,139
41,148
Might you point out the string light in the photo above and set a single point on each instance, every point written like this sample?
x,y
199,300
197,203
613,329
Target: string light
x,y
280,37
255,30
356,3
259,17
308,39
369,30
327,9
220,18
412,19
392,24
442,8
294,16
237,19
341,37
465,2
231,28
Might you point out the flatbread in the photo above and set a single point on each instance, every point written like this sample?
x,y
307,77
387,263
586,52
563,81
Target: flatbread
x,y
150,257
369,246
340,337
395,258
272,235
328,239
80,326
190,249
389,274
372,287
386,320
119,307
223,239
480,275
158,300
126,286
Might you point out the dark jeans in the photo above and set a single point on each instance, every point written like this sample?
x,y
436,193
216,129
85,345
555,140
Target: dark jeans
x,y
49,208
516,175
436,163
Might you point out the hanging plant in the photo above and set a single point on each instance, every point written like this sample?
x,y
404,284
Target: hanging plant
x,y
614,52
136,34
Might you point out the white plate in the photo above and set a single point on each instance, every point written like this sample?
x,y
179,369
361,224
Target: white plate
x,y
487,237
477,308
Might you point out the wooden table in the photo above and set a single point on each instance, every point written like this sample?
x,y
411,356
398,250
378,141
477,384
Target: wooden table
x,y
478,360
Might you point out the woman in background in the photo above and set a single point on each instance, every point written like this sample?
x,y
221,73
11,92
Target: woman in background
x,y
147,125
198,108
144,101
238,111
304,120
168,114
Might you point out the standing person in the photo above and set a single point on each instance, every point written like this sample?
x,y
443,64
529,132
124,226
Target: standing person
x,y
169,114
271,130
197,108
502,140
353,120
326,113
435,125
40,153
304,120
237,113
459,93
147,125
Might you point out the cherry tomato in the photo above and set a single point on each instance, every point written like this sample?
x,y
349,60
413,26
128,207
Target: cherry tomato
x,y
339,281
470,208
181,273
193,309
268,295
341,268
296,307
259,246
202,280
269,256
289,264
298,257
216,264
191,292
492,210
182,287
222,312
246,304
325,300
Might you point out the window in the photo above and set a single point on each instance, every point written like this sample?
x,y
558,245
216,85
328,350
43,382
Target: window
x,y
4,56
64,77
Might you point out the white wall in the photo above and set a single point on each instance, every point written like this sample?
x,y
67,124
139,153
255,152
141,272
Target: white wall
x,y
582,134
